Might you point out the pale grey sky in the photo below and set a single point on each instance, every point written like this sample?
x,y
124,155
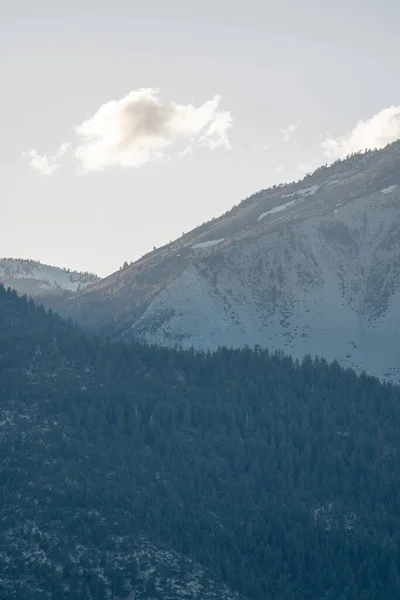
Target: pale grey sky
x,y
214,100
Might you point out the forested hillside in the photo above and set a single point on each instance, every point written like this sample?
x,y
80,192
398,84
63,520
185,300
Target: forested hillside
x,y
281,479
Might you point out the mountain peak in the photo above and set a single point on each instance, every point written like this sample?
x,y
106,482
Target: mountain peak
x,y
307,268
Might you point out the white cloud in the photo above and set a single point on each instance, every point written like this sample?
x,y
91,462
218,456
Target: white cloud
x,y
40,162
62,150
140,128
376,132
288,131
279,169
43,164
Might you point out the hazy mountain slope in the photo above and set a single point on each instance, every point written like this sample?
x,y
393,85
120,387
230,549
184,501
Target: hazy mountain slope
x,y
42,281
311,267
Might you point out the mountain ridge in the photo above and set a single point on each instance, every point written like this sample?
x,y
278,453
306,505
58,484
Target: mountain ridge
x,y
307,267
42,281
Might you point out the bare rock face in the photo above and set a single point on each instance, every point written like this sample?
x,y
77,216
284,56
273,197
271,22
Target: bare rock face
x,y
308,268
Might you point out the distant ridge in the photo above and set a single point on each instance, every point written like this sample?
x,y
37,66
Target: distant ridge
x,y
41,281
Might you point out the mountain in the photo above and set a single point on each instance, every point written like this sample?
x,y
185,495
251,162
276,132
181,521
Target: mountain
x,y
42,282
63,535
141,472
308,267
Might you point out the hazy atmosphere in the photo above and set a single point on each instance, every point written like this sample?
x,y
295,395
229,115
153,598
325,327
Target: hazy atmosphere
x,y
124,124
200,300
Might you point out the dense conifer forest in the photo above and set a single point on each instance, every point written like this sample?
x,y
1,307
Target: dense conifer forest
x,y
280,478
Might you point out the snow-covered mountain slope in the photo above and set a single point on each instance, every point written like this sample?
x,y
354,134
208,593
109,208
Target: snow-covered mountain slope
x,y
42,281
310,267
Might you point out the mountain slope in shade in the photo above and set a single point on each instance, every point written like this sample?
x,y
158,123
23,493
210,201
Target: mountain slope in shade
x,y
139,472
41,281
309,267
59,537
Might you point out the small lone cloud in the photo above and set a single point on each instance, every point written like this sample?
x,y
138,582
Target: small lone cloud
x,y
279,169
287,132
41,163
140,128
373,133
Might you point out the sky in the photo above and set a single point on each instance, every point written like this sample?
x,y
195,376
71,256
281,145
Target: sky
x,y
124,124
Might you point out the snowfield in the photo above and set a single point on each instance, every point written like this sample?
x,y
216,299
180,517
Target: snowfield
x,y
310,191
207,244
304,193
317,287
277,209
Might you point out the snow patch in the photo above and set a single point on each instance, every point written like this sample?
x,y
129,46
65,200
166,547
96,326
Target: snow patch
x,y
207,244
277,209
310,191
389,189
